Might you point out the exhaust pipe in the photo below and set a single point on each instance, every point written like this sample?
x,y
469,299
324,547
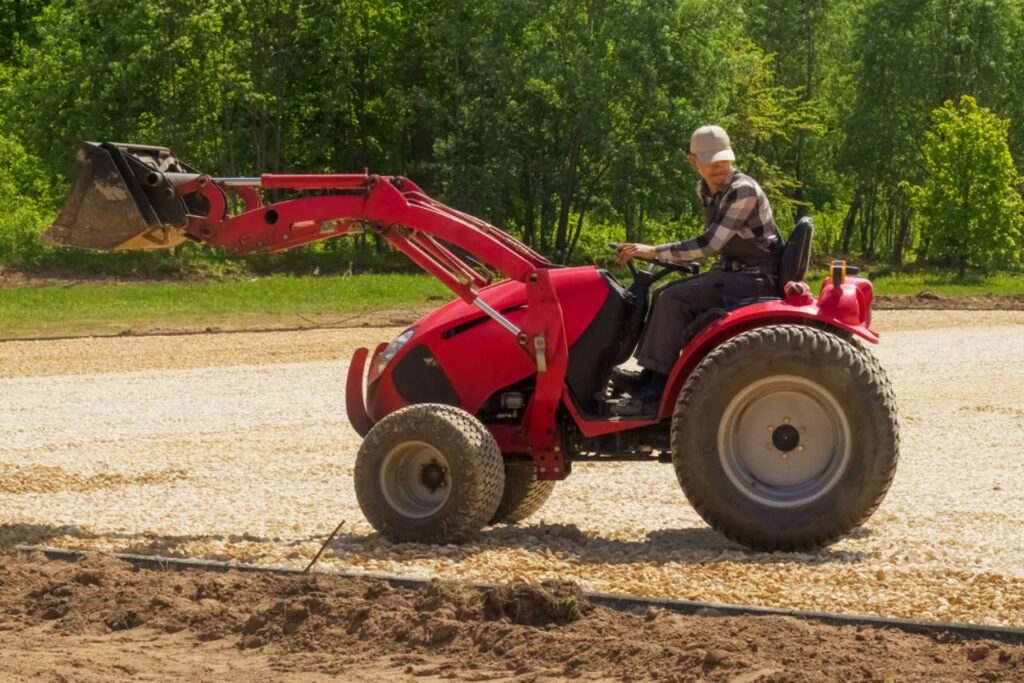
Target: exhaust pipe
x,y
123,198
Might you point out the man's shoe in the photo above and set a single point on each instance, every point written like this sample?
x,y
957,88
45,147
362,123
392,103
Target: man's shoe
x,y
625,381
644,402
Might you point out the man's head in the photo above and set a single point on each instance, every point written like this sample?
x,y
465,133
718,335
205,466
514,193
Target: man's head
x,y
711,154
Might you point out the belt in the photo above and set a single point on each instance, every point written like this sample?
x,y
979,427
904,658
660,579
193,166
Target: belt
x,y
733,266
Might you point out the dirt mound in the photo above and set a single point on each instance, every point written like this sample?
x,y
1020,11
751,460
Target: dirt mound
x,y
100,609
552,602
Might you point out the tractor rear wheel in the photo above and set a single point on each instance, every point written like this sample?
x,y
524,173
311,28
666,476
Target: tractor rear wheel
x,y
429,473
786,437
524,494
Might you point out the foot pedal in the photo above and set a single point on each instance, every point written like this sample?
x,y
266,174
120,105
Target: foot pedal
x,y
631,407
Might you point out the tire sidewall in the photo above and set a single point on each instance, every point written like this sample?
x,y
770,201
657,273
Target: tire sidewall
x,y
755,355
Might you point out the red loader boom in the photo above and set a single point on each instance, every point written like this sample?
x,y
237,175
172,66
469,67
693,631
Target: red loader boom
x,y
129,197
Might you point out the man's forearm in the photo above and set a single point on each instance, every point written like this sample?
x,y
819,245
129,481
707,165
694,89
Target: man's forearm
x,y
702,246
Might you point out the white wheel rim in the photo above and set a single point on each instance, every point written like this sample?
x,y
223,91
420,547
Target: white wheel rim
x,y
784,441
415,479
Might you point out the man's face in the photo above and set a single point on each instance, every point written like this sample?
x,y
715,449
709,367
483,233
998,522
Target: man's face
x,y
715,173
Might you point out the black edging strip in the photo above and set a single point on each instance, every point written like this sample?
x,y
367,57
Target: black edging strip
x,y
616,601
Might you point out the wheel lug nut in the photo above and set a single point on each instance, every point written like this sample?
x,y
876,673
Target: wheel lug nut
x,y
768,446
786,420
771,428
785,456
800,448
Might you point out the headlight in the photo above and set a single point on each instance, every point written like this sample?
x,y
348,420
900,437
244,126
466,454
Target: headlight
x,y
391,349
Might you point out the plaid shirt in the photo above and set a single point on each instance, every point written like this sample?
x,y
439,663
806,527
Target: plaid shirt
x,y
739,209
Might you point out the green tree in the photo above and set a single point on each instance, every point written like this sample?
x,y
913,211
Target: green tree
x,y
969,203
910,57
763,117
16,25
811,44
24,202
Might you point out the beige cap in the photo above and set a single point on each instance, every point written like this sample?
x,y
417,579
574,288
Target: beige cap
x,y
711,144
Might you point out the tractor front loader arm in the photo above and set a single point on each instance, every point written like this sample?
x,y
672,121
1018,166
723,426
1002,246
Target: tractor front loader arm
x,y
130,197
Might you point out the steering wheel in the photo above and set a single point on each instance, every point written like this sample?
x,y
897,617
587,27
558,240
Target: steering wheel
x,y
666,267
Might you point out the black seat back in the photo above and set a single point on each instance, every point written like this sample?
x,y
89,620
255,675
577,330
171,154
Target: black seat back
x,y
796,254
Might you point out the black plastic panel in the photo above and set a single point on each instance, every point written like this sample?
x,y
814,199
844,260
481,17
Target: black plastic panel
x,y
419,379
594,354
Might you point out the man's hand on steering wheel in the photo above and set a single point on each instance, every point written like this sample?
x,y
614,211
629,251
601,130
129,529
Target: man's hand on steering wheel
x,y
625,253
631,251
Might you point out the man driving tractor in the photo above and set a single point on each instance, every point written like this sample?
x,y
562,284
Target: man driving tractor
x,y
740,229
463,429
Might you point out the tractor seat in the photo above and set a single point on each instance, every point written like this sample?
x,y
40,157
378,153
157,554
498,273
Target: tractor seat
x,y
796,254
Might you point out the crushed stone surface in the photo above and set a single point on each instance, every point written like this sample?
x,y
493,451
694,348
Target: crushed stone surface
x,y
236,446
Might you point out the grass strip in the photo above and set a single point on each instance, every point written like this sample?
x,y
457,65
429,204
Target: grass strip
x,y
114,308
281,301
948,285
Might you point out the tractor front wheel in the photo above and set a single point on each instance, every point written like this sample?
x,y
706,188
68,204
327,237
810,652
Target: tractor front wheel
x,y
786,437
429,473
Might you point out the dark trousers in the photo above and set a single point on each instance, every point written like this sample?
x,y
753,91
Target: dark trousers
x,y
677,304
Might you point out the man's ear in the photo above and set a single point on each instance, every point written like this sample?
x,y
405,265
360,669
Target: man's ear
x,y
692,158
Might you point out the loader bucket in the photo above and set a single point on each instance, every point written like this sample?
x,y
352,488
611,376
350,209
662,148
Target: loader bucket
x,y
122,198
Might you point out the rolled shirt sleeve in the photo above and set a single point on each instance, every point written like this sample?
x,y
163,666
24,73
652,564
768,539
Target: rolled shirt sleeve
x,y
736,208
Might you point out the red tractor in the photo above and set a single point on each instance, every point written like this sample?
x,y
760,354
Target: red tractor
x,y
780,424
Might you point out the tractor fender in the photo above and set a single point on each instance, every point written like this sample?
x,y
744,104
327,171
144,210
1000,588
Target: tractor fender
x,y
845,308
355,403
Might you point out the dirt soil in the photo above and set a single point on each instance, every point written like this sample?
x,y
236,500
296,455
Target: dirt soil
x,y
103,620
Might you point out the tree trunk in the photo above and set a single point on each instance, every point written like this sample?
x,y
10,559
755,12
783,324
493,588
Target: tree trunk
x,y
547,218
849,223
568,194
902,235
629,222
965,209
530,211
867,224
575,236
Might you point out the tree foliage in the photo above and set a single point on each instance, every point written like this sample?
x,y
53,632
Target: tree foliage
x,y
969,205
566,121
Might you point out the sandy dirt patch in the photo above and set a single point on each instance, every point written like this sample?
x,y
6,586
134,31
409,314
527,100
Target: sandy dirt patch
x,y
102,620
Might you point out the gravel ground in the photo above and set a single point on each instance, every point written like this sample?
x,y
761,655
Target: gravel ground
x,y
237,446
